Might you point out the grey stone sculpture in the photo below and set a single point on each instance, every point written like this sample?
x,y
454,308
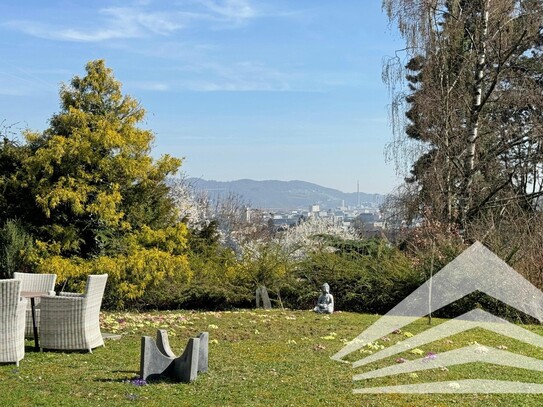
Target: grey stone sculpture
x,y
262,296
203,352
158,360
325,303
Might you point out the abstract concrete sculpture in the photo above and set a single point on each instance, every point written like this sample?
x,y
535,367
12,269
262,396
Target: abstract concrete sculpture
x,y
158,360
203,352
262,296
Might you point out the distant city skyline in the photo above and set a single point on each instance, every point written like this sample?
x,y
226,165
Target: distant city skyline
x,y
243,89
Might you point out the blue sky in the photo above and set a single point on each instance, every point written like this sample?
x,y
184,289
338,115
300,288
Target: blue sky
x,y
274,89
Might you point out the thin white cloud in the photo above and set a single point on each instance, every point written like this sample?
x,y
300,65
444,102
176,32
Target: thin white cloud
x,y
22,83
69,34
137,21
117,23
205,68
4,91
225,86
230,9
154,86
244,76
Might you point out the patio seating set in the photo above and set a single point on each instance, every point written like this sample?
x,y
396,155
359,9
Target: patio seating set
x,y
30,308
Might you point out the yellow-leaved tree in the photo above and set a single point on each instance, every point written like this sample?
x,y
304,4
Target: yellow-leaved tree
x,y
91,195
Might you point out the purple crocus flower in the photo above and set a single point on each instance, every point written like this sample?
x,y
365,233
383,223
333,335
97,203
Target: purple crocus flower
x,y
429,356
138,382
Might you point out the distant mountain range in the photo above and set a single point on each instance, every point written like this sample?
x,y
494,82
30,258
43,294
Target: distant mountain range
x,y
285,195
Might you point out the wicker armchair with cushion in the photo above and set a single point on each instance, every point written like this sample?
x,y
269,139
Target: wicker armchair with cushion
x,y
71,321
43,283
12,321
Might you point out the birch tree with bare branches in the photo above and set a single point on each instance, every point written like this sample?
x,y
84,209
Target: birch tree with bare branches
x,y
467,103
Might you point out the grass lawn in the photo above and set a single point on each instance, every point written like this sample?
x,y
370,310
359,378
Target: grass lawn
x,y
256,358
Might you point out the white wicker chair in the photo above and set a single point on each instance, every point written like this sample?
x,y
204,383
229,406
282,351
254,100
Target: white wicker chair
x,y
44,283
71,321
12,321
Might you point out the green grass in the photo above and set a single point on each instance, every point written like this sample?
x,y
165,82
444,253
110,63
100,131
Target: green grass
x,y
256,358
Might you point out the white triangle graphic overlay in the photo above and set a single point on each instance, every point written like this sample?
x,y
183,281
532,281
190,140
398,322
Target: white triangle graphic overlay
x,y
476,269
468,354
476,318
459,387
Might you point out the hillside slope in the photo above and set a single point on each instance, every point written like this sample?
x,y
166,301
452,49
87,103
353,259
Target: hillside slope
x,y
284,195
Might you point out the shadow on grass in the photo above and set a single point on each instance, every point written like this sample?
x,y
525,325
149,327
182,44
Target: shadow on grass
x,y
135,379
32,349
126,379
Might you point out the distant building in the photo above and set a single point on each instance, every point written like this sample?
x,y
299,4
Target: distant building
x,y
367,217
284,220
247,214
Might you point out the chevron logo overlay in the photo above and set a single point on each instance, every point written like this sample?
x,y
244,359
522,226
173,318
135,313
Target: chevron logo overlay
x,y
476,269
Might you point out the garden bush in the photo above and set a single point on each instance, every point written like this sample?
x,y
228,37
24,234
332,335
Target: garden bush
x,y
216,283
15,245
364,276
130,275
